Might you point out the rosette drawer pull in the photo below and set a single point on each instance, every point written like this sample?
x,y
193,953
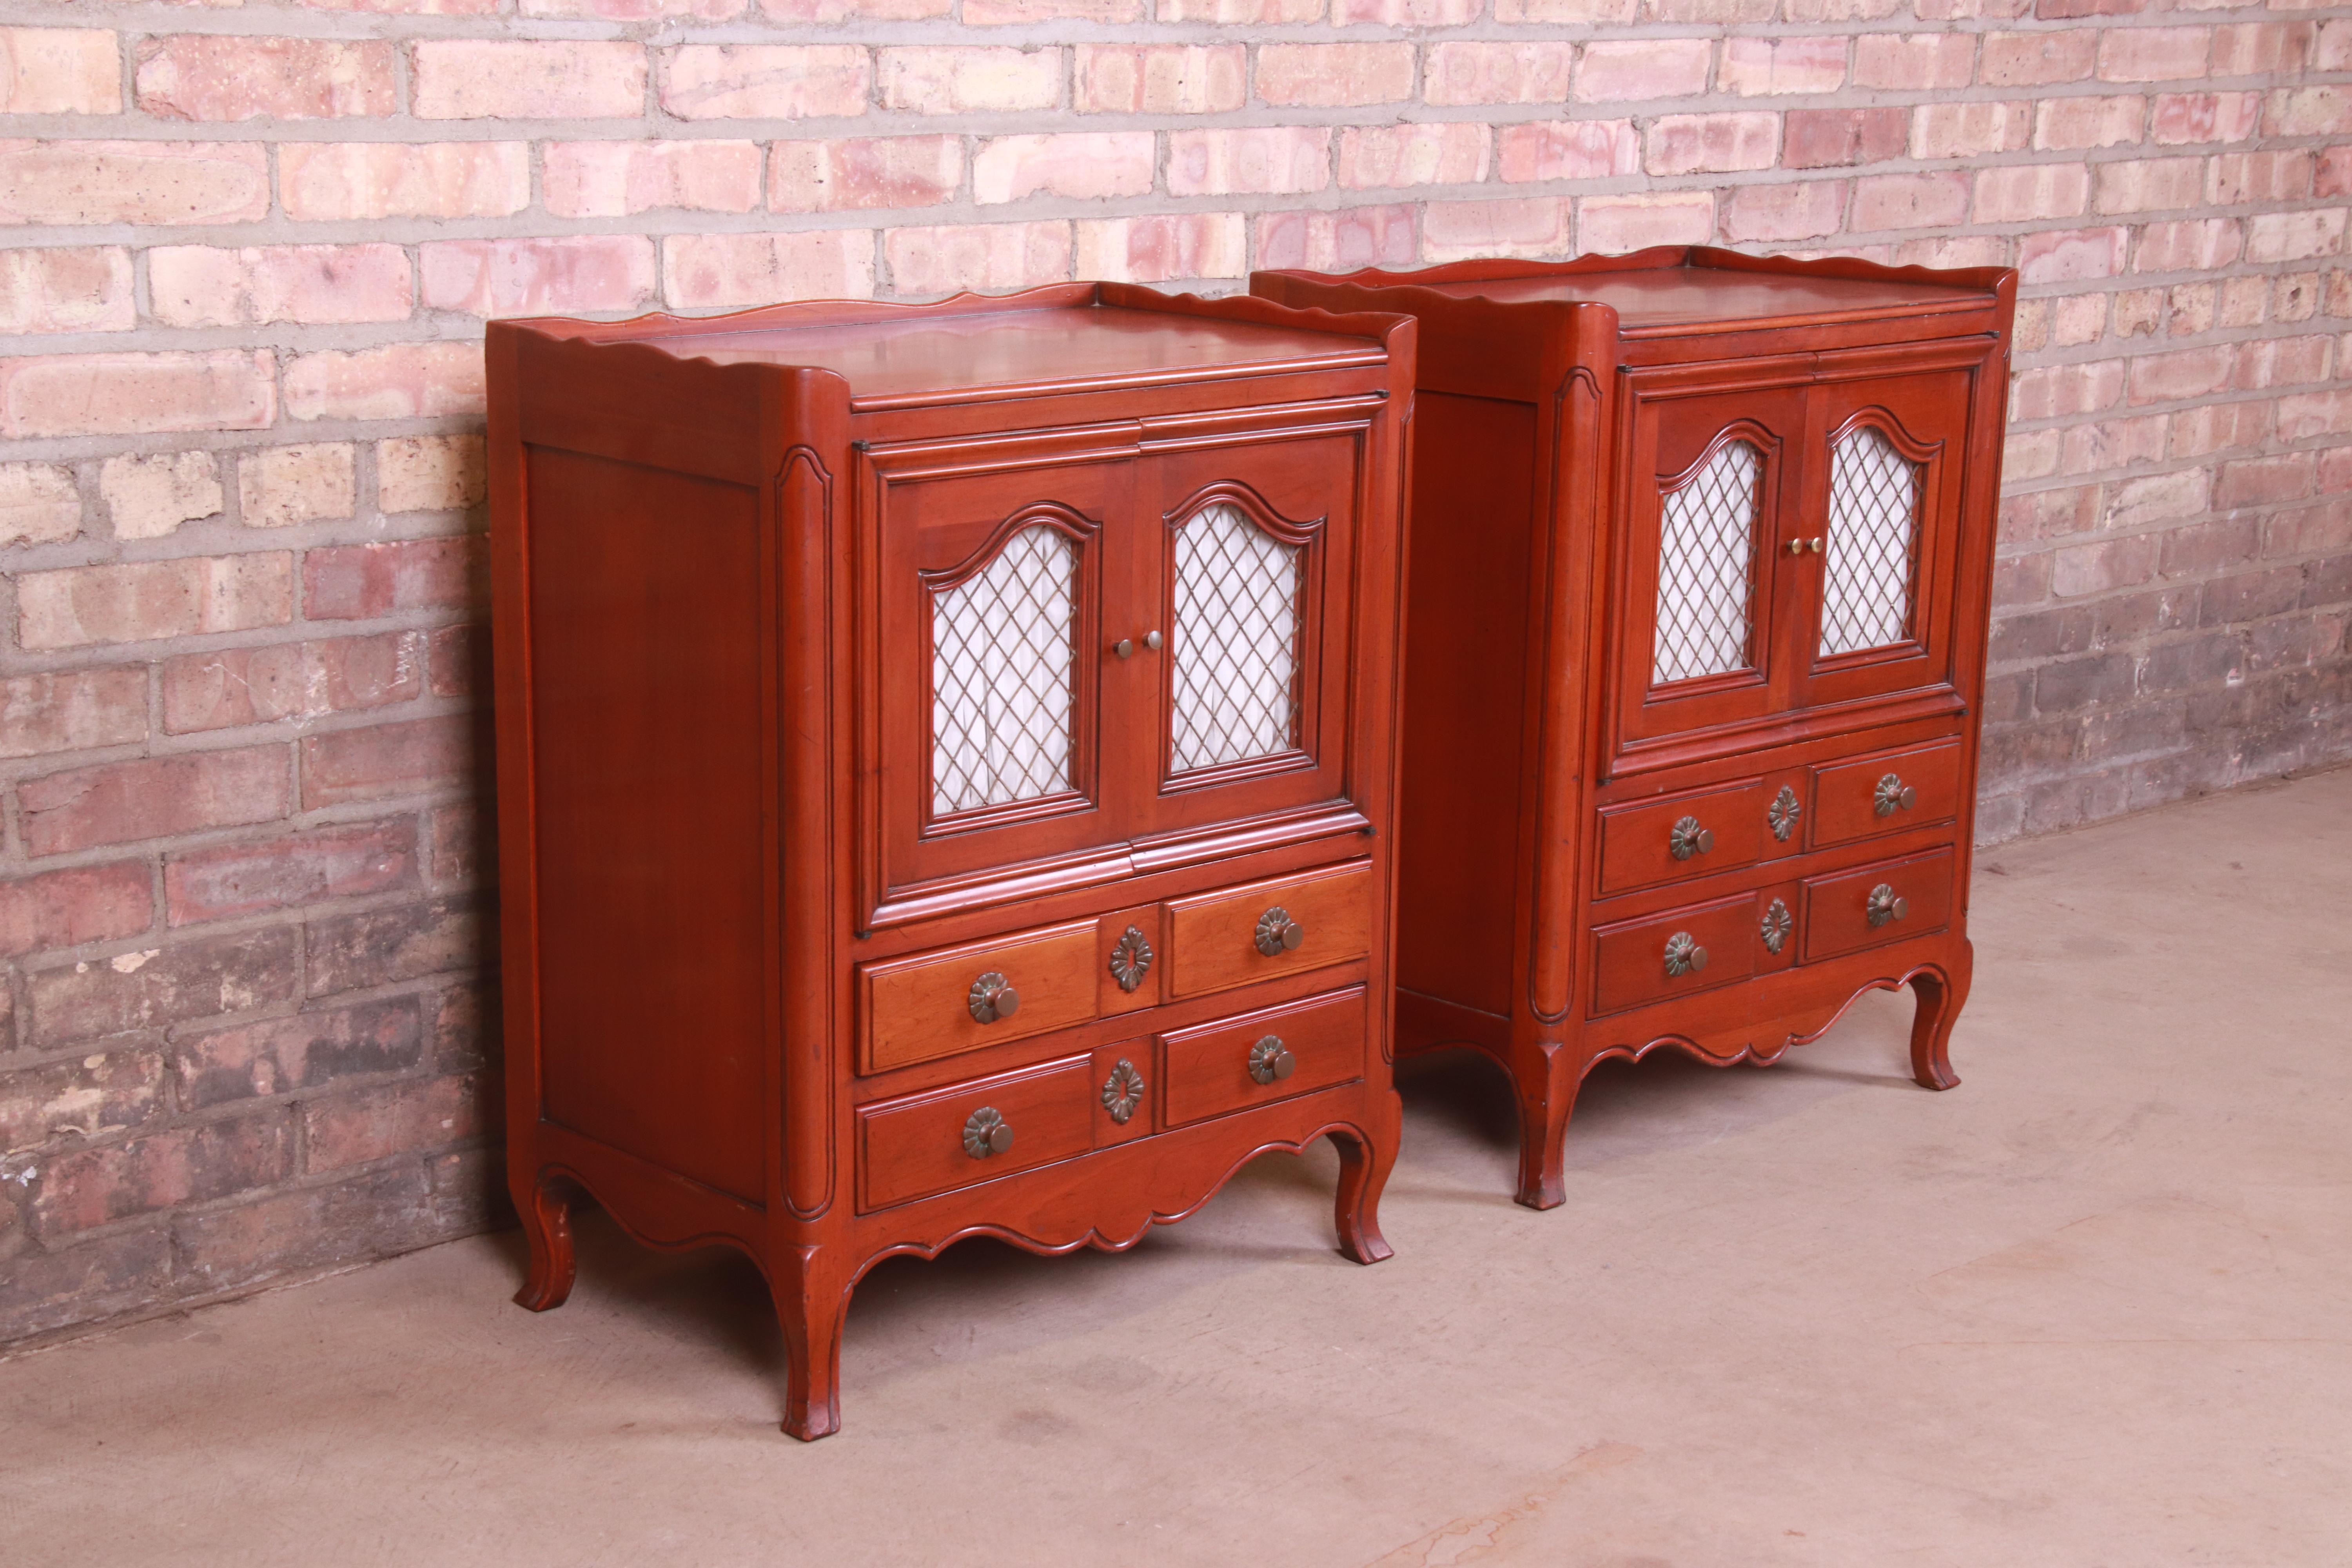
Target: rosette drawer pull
x,y
993,997
1893,796
1687,838
1684,955
1270,1061
1277,934
986,1133
1884,905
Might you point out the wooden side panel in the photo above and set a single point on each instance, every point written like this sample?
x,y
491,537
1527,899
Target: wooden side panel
x,y
1465,671
645,666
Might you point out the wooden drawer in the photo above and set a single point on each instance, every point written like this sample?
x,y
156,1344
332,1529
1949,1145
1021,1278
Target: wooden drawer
x,y
1630,963
1214,938
1208,1067
1682,836
1847,911
914,1147
918,1008
1852,800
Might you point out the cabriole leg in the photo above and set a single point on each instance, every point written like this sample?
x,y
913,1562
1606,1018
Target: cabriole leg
x,y
1545,1106
811,1301
1365,1160
1940,996
546,1210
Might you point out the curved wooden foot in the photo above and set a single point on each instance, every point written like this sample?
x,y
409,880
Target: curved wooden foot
x,y
546,1213
1365,1160
1544,1110
1940,996
811,1301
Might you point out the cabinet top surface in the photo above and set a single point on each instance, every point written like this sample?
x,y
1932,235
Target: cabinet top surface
x,y
1672,298
935,353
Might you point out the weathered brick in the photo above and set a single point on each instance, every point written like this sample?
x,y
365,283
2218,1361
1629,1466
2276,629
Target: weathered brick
x,y
72,710
329,181
1275,160
1915,62
306,1051
375,1214
261,685
1158,78
152,798
1011,12
360,582
1768,67
826,13
2266,481
1620,223
67,289
2150,184
707,270
1831,138
133,182
2036,60
162,986
149,495
1335,241
1380,157
2071,255
1968,130
621,179
64,908
1404,12
2189,245
765,81
977,256
397,1118
413,757
148,599
2295,236
459,660
1078,167
1330,75
2101,566
137,394
1631,71
38,504
1712,143
278,487
1474,73
2273,177
496,79
882,172
382,947
1527,225
2181,119
2068,124
2153,54
400,381
1910,201
88,1187
969,81
2023,193
86,1099
532,276
1779,212
60,71
430,473
2052,392
2183,373
1569,150
226,77
461,852
205,286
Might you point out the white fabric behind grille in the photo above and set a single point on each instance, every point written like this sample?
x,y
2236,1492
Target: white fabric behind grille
x,y
1002,647
1705,539
1235,641
1874,528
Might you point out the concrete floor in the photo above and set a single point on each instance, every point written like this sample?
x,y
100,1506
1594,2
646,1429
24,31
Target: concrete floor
x,y
2089,1309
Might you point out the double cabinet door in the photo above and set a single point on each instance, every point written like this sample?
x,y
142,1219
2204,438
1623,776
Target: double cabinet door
x,y
1791,539
1089,639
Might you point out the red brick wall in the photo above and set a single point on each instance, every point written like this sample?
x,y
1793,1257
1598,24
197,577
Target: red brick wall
x,y
248,252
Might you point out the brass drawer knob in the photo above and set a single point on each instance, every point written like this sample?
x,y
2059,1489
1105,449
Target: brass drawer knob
x,y
1270,1061
1884,905
1122,1092
1775,926
993,997
1277,934
1782,814
985,1132
1687,838
1893,796
1684,955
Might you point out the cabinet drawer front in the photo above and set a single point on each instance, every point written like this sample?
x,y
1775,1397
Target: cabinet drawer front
x,y
1877,904
1685,949
1221,939
1236,1063
1855,800
919,1008
1687,836
974,1132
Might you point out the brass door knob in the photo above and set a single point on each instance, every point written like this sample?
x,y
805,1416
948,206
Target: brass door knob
x,y
1684,955
1277,934
1799,546
1270,1061
1884,905
1151,640
993,997
986,1133
1687,838
1892,794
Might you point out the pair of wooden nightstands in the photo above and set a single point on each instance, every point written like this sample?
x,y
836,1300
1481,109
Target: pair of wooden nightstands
x,y
957,773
